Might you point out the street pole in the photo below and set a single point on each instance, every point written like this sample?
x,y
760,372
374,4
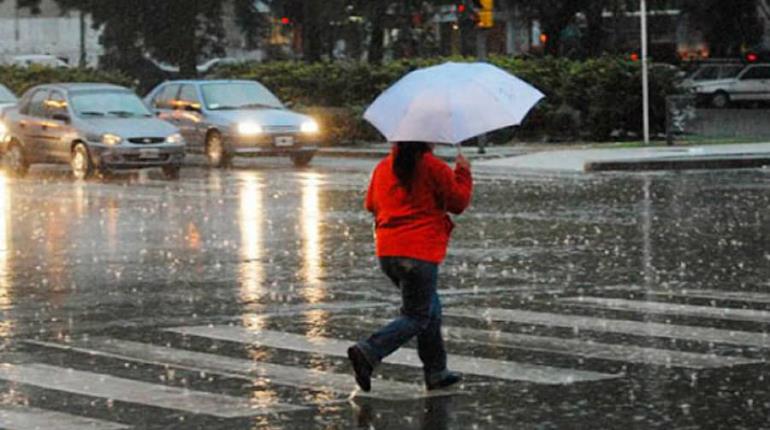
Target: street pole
x,y
481,54
83,56
645,77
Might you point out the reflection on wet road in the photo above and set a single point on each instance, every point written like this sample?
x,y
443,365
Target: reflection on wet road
x,y
225,301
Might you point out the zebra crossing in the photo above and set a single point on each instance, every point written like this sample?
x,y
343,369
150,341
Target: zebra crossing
x,y
196,401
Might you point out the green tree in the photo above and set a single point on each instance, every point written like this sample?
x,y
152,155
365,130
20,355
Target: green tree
x,y
179,32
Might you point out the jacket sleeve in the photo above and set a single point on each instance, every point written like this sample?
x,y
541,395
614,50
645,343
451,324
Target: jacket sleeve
x,y
369,200
454,187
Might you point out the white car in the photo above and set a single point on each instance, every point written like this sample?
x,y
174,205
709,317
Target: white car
x,y
41,59
749,83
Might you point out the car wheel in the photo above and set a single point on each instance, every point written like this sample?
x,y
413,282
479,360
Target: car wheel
x,y
720,100
215,150
15,160
302,159
82,167
171,172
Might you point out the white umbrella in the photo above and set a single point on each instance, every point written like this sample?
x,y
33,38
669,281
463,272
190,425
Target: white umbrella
x,y
450,103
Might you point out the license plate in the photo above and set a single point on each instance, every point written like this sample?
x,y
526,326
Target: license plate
x,y
284,141
149,153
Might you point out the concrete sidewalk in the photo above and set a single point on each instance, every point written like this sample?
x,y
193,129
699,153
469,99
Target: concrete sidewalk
x,y
624,159
448,153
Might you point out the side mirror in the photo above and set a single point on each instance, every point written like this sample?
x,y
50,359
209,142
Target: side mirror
x,y
63,117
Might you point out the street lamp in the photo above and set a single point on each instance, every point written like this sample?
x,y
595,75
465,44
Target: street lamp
x,y
645,77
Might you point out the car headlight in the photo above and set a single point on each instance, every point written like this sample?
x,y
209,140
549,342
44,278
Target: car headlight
x,y
175,138
3,129
309,127
249,128
111,139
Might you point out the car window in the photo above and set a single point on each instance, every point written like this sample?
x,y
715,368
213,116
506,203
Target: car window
x,y
102,103
757,73
238,95
56,104
35,106
164,98
189,95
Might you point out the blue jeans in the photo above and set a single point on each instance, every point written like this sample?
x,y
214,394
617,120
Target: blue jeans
x,y
420,316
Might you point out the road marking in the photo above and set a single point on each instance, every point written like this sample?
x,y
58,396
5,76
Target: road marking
x,y
27,418
741,296
240,368
677,309
590,349
507,370
144,393
637,328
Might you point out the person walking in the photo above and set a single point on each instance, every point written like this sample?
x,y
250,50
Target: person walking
x,y
410,195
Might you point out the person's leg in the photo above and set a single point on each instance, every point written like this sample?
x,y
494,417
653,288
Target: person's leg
x,y
430,342
416,279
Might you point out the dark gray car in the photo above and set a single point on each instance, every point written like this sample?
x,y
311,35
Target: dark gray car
x,y
227,118
93,127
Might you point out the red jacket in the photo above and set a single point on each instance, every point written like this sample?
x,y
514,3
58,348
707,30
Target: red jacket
x,y
415,224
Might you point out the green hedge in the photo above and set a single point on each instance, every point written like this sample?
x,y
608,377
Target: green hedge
x,y
598,99
20,79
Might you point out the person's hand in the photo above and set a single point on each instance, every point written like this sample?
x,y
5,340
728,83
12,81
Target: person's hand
x,y
463,162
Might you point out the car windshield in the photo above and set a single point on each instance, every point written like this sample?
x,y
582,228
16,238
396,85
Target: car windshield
x,y
706,73
6,96
241,95
108,103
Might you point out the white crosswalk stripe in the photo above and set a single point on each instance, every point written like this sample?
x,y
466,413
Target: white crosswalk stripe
x,y
126,390
591,349
240,368
663,308
636,328
507,370
14,417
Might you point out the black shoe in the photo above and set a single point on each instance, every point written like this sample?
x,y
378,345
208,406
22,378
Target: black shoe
x,y
361,367
448,379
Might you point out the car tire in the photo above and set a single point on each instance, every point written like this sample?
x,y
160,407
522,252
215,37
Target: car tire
x,y
80,162
216,153
15,160
302,159
171,172
720,100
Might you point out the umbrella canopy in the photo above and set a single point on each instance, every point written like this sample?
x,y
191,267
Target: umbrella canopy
x,y
450,103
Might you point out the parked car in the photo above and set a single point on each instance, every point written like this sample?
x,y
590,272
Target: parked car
x,y
721,85
40,59
228,118
93,127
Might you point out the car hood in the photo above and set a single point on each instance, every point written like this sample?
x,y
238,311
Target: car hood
x,y
265,117
128,127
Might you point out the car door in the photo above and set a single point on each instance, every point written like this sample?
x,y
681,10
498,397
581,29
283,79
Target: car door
x,y
29,126
189,116
753,84
162,103
56,127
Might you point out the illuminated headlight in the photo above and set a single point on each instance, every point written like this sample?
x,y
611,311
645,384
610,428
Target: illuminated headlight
x,y
3,130
110,139
175,138
249,128
309,127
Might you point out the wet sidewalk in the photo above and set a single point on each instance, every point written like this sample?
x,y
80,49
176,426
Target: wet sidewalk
x,y
654,158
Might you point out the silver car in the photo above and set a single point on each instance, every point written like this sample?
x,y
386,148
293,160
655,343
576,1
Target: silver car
x,y
228,118
93,127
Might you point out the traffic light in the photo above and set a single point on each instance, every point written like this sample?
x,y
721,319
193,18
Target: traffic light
x,y
751,57
486,13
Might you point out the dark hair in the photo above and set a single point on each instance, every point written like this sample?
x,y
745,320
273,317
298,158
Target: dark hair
x,y
405,160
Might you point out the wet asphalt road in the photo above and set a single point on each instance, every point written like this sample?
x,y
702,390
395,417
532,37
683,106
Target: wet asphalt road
x,y
219,302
